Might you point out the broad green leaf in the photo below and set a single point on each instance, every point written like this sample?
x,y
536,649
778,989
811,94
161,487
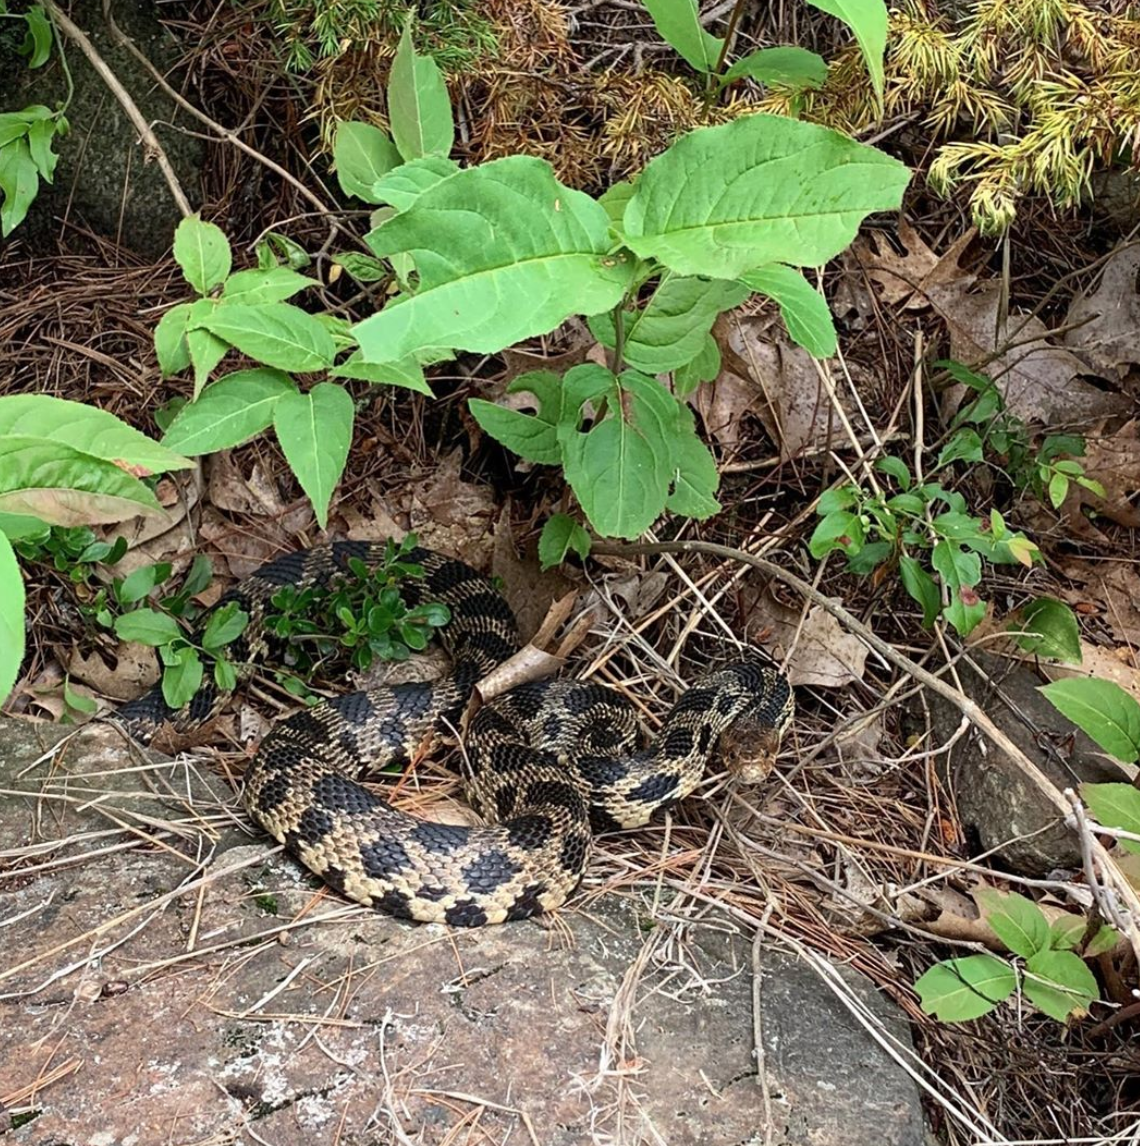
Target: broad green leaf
x,y
614,200
504,252
363,268
182,678
363,154
804,310
1018,922
315,431
1049,628
88,430
896,468
206,349
230,412
11,618
136,586
170,339
1059,983
695,477
622,468
401,187
703,368
1115,806
224,626
964,445
961,989
419,111
40,136
679,22
531,436
19,182
840,530
561,534
272,284
1103,710
724,200
203,252
276,334
18,526
12,126
960,572
671,328
868,20
147,627
407,373
37,42
920,585
1105,939
788,66
61,485
1066,931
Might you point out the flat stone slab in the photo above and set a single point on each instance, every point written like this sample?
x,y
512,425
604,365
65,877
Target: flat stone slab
x,y
174,980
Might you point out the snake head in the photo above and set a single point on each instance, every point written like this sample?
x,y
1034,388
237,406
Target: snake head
x,y
749,750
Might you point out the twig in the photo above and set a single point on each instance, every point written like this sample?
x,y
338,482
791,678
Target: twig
x,y
149,140
1127,919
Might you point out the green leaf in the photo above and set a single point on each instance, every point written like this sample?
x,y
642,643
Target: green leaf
x,y
1066,931
840,530
1059,983
960,572
703,368
614,200
419,111
203,252
230,412
671,328
842,497
18,527
407,373
37,43
920,585
1058,489
1049,628
788,66
362,154
170,339
271,284
315,432
141,582
40,136
403,186
1105,939
504,252
12,126
1103,710
147,627
19,181
960,989
679,22
804,310
363,268
86,429
1018,922
277,334
182,678
896,468
225,677
724,200
868,20
224,626
964,445
11,618
1115,806
622,468
559,535
695,477
77,701
206,349
531,436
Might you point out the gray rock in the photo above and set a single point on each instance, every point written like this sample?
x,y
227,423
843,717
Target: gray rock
x,y
251,1003
996,802
103,180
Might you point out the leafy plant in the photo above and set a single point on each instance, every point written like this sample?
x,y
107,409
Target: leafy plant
x,y
364,614
72,551
26,136
1052,975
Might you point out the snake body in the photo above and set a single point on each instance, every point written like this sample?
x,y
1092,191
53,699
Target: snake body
x,y
549,762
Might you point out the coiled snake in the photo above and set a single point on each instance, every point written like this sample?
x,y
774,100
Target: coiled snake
x,y
548,761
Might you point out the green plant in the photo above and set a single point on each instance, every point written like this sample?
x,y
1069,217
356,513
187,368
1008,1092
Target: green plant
x,y
26,136
72,551
1052,975
788,69
484,257
364,614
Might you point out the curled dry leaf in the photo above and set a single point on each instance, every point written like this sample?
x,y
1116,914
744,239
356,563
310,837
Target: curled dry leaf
x,y
1105,322
453,515
135,670
1109,588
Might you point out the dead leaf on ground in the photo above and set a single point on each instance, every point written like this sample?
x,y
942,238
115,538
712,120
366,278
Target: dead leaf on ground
x,y
907,277
1109,334
1114,461
379,524
453,515
823,654
529,589
1116,665
134,671
1110,587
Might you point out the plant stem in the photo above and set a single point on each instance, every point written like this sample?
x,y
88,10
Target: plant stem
x,y
619,336
729,36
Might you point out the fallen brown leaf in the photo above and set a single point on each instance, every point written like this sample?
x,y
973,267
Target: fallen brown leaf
x,y
1109,331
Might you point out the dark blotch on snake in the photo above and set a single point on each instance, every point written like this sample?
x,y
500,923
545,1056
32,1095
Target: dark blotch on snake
x,y
394,902
659,787
440,839
529,832
313,826
527,902
384,858
343,795
355,708
677,742
465,913
574,849
490,871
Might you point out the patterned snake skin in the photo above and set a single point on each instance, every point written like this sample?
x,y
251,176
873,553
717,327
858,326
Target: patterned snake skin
x,y
548,762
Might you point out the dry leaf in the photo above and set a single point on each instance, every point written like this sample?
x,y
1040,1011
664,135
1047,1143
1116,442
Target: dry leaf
x,y
1111,588
529,589
452,515
1110,338
136,669
906,278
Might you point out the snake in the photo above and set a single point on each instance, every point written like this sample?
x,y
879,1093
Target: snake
x,y
549,764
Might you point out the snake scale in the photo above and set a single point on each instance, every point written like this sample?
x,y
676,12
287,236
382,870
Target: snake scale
x,y
549,762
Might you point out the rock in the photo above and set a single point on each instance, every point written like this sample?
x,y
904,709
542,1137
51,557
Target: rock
x,y
997,804
250,1006
103,180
